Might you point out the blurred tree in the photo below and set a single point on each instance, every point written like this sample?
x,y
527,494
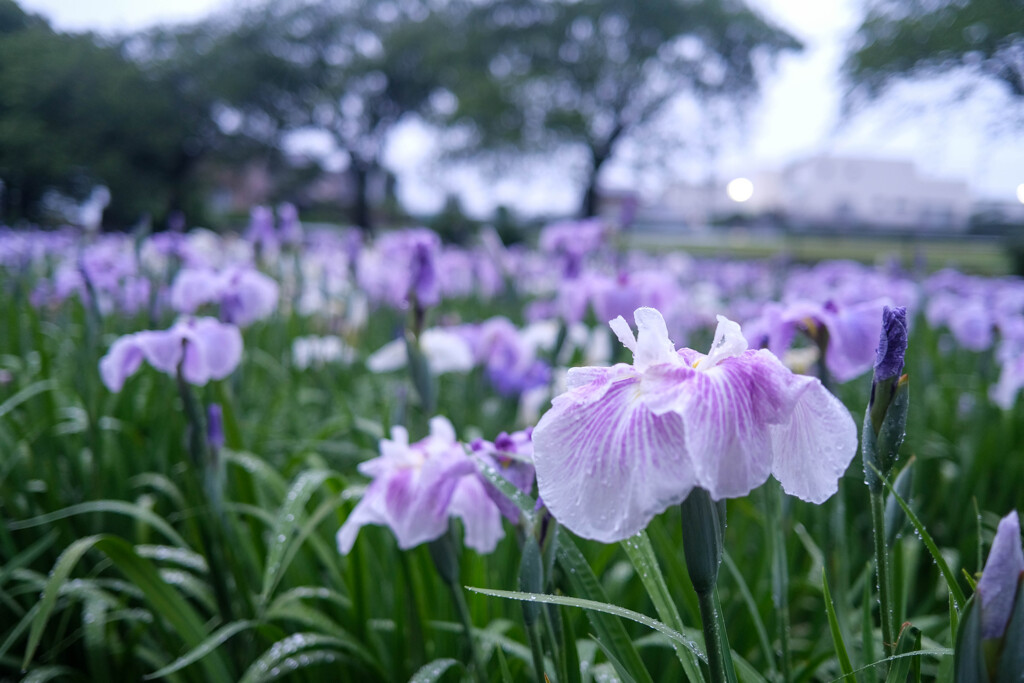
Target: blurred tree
x,y
540,74
352,68
74,114
906,39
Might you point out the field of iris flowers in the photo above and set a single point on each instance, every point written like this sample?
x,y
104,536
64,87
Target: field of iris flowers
x,y
299,454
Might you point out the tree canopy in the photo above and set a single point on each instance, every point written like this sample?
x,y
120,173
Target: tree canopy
x,y
538,74
907,39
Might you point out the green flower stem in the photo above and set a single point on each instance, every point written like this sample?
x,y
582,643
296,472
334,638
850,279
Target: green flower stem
x,y
780,574
716,642
445,556
882,572
536,649
459,597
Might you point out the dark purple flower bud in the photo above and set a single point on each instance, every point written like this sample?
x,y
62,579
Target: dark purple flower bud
x,y
892,344
215,427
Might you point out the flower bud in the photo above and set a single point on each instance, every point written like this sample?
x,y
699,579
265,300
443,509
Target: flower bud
x,y
215,427
889,359
885,421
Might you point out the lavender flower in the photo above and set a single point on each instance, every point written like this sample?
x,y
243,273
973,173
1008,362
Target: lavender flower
x,y
202,348
511,456
847,332
625,442
244,294
417,487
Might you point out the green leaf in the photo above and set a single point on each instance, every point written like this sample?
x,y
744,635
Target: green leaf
x,y
837,635
610,631
909,644
25,394
432,671
315,647
118,507
751,604
292,511
1011,661
58,577
940,561
640,552
676,637
215,640
48,673
162,599
616,664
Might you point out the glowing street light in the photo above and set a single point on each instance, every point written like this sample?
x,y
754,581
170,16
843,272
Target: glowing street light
x,y
741,189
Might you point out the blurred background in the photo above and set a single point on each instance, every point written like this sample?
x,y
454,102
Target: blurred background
x,y
694,122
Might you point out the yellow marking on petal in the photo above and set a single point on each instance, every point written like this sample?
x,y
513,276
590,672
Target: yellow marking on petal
x,y
696,363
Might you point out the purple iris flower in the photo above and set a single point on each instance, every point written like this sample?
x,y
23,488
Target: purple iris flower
x,y
203,348
244,294
289,228
511,456
997,588
400,265
511,362
626,442
572,241
261,227
852,331
417,487
1011,375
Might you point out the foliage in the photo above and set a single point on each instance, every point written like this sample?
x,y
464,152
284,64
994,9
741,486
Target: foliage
x,y
908,40
537,75
75,113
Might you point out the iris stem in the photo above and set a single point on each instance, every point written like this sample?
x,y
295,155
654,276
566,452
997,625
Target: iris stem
x,y
537,650
462,608
716,642
780,575
883,574
445,556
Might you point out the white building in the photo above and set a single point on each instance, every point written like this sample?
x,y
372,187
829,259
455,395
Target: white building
x,y
836,191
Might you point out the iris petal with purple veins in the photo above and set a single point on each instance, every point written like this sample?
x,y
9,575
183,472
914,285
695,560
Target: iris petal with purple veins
x,y
624,443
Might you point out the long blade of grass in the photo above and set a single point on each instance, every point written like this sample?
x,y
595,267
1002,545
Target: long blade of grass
x,y
610,631
25,394
909,643
755,615
119,507
432,671
640,552
676,637
62,569
287,521
947,574
315,648
215,640
837,635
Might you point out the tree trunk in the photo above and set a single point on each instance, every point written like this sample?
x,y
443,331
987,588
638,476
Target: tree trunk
x,y
361,215
591,198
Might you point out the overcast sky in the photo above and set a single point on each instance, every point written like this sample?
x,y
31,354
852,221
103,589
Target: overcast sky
x,y
798,115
